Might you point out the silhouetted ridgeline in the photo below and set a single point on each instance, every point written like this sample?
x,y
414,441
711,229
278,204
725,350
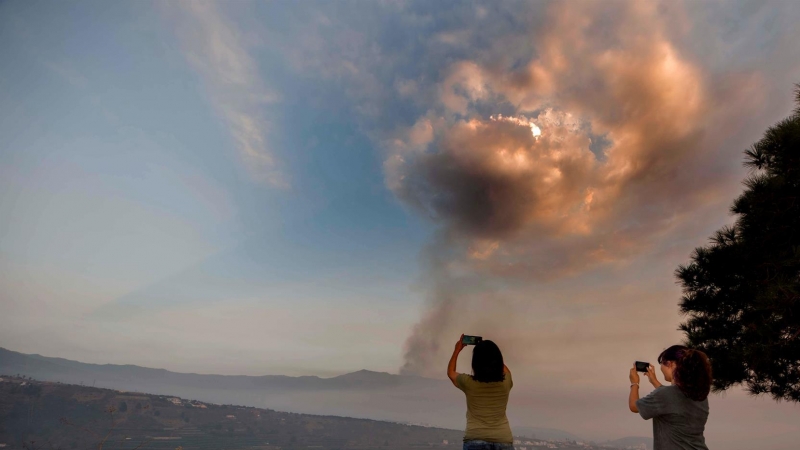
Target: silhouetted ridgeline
x,y
63,416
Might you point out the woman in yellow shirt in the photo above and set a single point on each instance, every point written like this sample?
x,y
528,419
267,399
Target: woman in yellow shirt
x,y
487,392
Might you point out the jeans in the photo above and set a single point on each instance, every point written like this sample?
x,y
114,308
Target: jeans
x,y
483,445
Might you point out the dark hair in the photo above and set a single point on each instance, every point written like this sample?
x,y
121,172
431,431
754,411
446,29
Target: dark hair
x,y
487,362
692,372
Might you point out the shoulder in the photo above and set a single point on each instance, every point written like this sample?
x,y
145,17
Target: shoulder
x,y
672,393
658,394
464,381
665,391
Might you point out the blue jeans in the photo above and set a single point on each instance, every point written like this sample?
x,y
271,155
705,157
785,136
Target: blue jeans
x,y
483,445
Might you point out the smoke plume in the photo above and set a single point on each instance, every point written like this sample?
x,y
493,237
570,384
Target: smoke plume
x,y
598,154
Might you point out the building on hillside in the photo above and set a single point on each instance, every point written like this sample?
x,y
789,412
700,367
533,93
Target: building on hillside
x,y
175,401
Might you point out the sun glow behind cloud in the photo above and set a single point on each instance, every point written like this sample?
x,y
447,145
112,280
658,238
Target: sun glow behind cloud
x,y
522,121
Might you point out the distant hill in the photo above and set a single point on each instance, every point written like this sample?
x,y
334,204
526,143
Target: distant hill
x,y
136,378
65,370
36,414
362,394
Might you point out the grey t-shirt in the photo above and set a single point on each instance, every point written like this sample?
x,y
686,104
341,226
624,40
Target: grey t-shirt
x,y
678,421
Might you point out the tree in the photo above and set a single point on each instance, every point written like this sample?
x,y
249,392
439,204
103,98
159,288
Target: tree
x,y
741,293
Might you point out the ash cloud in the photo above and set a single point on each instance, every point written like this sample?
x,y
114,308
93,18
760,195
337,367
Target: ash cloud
x,y
515,206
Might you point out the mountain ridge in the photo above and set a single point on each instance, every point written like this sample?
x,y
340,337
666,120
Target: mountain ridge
x,y
136,366
46,367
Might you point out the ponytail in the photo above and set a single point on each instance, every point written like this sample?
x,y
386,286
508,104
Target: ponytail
x,y
692,372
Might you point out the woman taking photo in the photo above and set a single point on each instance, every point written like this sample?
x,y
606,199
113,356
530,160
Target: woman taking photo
x,y
679,411
487,397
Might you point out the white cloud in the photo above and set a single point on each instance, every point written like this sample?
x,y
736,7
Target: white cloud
x,y
214,47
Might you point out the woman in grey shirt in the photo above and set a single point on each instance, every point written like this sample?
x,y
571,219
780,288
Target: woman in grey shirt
x,y
679,411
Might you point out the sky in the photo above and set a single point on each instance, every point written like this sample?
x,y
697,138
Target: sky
x,y
314,188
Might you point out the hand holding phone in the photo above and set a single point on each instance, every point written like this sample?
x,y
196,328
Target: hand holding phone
x,y
470,340
642,366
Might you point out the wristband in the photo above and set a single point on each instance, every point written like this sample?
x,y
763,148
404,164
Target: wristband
x,y
635,384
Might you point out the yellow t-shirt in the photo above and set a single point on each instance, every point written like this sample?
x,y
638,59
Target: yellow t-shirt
x,y
486,409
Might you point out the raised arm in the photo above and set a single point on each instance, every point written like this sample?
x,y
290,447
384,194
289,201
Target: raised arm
x,y
634,395
451,366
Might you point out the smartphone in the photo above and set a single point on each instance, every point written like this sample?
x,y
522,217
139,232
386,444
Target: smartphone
x,y
642,366
471,340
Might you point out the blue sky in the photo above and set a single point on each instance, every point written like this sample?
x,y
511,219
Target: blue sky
x,y
321,187
120,170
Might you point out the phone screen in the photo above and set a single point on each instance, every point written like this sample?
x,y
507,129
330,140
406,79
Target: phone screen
x,y
471,340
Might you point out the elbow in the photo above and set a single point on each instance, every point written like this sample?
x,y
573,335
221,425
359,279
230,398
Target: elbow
x,y
633,408
452,377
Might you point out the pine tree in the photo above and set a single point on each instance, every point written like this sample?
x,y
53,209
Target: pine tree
x,y
741,293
